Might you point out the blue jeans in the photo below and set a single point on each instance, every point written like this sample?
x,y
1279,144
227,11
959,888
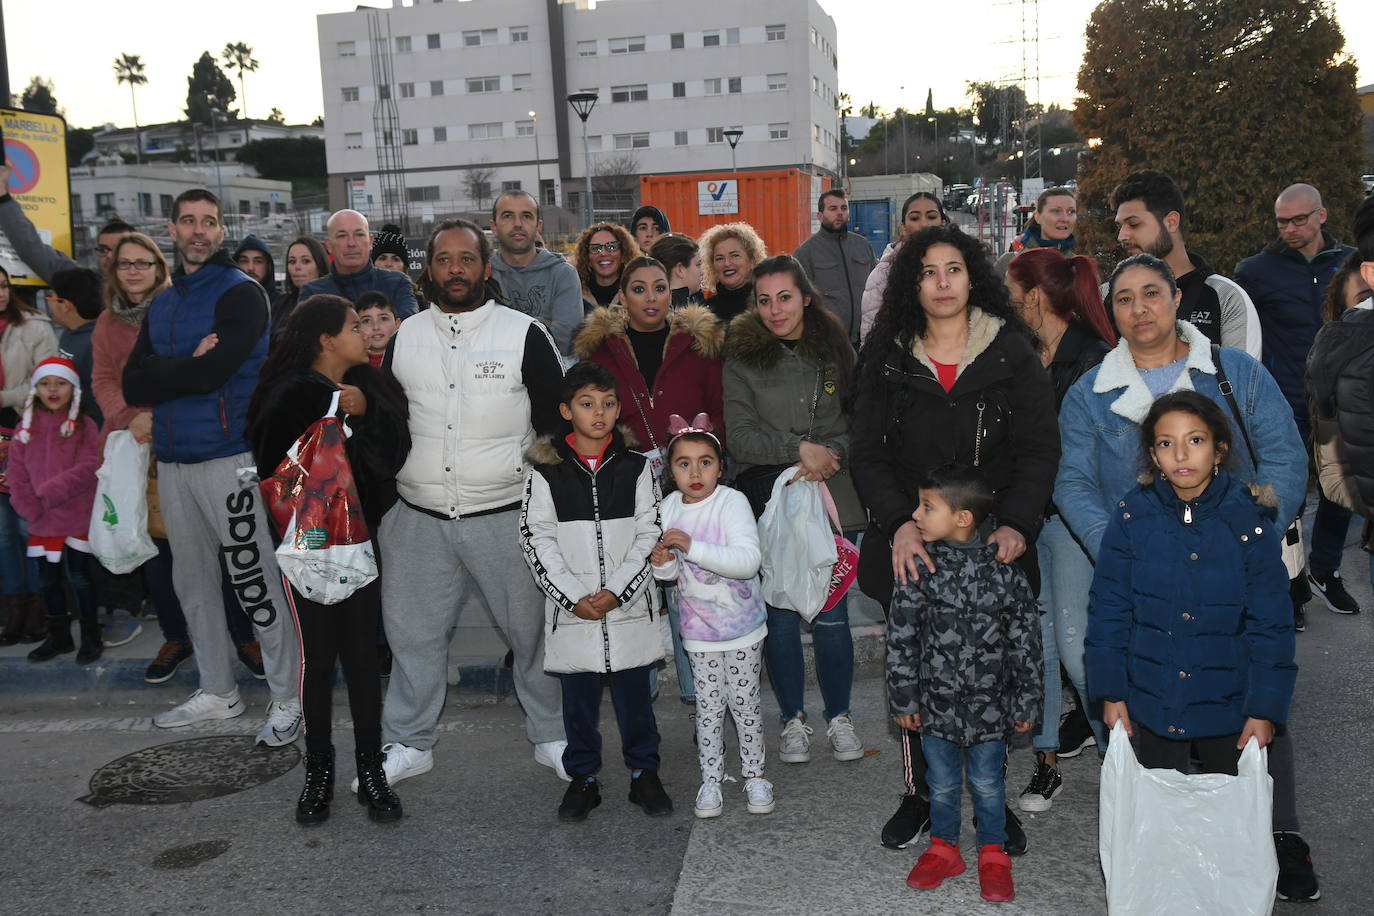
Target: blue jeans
x,y
1066,574
686,683
945,768
833,646
18,571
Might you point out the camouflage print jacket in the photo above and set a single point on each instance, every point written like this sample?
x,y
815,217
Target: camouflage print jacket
x,y
963,646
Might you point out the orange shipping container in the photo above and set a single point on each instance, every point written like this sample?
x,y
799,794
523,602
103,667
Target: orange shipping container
x,y
779,204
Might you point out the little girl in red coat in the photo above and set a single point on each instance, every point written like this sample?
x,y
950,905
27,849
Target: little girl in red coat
x,y
52,465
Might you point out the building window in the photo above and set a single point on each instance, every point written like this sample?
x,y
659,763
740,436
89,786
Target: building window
x,y
347,49
104,203
776,32
736,85
816,132
410,136
632,141
436,87
630,45
638,93
432,41
586,48
488,131
245,207
164,202
441,135
732,36
679,138
484,84
710,39
384,91
815,37
711,86
715,135
479,37
403,44
679,90
279,207
524,128
350,93
508,186
520,81
777,82
388,138
422,194
547,192
519,33
407,90
264,208
677,41
145,204
778,132
353,141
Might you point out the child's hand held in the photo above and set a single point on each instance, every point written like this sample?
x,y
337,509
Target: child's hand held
x,y
1262,730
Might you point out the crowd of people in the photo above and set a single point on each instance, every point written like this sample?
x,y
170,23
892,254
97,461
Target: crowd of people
x,y
1061,488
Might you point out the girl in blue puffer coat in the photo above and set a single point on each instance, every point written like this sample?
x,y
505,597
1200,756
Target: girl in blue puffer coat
x,y
1190,636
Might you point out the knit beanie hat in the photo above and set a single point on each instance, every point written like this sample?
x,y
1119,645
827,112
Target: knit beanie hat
x,y
65,369
389,241
653,213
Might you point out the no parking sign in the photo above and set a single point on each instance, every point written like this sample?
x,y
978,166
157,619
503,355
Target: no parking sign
x,y
35,147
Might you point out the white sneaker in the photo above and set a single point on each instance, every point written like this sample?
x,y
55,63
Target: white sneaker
x,y
843,742
550,754
402,762
709,802
201,707
283,723
795,744
759,791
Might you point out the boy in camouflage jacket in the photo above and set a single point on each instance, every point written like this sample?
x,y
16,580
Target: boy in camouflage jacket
x,y
963,669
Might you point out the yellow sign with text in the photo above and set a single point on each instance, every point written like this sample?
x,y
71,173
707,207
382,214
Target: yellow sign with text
x,y
36,153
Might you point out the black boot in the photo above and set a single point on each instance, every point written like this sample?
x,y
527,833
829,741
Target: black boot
x,y
646,790
373,789
35,618
92,642
58,641
313,805
14,620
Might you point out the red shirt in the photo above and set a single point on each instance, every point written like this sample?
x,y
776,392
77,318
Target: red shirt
x,y
946,373
376,358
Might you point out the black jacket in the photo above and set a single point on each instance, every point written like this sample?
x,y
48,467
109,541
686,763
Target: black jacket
x,y
378,447
1340,384
1079,350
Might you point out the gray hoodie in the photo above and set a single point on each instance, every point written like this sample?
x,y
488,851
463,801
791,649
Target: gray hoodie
x,y
548,289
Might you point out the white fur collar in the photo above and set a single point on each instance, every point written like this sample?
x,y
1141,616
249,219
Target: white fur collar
x,y
1119,371
982,330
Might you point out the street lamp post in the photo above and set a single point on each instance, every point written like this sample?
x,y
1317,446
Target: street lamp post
x,y
582,103
732,137
538,166
219,179
935,129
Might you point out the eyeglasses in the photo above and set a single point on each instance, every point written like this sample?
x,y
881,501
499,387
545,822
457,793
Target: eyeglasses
x,y
608,248
103,249
1300,220
134,265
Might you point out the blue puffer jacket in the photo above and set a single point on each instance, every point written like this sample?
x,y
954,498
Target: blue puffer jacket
x,y
1287,290
393,283
1191,623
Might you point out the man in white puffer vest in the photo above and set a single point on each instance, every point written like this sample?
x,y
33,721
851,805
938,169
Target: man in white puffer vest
x,y
482,380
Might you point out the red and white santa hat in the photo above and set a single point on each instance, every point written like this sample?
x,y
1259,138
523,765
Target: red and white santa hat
x,y
64,369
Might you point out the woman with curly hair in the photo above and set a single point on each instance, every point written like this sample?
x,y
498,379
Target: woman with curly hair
x,y
949,373
728,255
603,249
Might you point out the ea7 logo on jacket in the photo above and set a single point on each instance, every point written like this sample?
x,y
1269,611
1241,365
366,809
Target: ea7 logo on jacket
x,y
489,370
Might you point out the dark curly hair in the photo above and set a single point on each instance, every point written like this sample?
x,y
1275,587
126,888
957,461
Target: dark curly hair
x,y
902,319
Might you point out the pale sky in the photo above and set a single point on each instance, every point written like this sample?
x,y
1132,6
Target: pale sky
x,y
881,44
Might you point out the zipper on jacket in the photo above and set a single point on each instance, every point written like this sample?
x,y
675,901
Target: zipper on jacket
x,y
600,552
223,416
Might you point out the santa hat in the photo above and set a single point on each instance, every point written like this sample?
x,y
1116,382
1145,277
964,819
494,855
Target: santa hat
x,y
64,369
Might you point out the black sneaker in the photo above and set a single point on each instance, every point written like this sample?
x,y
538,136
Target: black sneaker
x,y
1075,734
1044,785
1297,880
1331,590
911,821
582,796
1016,842
646,790
1300,618
169,659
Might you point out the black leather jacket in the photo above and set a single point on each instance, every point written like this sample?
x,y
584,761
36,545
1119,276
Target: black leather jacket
x,y
1079,350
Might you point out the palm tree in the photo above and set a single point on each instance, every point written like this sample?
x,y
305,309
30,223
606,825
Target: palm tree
x,y
239,56
128,68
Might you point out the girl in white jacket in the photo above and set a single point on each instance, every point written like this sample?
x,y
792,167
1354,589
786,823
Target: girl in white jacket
x,y
710,548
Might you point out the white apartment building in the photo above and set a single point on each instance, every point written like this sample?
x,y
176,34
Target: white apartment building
x,y
480,87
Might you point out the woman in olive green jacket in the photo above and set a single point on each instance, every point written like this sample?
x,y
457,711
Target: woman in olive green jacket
x,y
788,365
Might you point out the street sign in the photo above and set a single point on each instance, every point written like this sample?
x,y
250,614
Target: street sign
x,y
35,148
718,196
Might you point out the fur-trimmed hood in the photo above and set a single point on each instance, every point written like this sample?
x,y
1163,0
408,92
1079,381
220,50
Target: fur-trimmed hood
x,y
1264,494
1118,370
982,330
548,450
823,340
708,334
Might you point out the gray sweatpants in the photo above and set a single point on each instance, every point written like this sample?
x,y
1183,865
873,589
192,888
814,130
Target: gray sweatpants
x,y
208,513
433,566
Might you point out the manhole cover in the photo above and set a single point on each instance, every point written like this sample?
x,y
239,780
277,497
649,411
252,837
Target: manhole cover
x,y
188,771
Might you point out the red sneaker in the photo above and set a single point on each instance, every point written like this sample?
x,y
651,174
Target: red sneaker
x,y
994,874
937,863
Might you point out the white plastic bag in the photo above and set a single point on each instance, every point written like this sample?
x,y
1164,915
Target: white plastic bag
x,y
1177,844
798,548
119,516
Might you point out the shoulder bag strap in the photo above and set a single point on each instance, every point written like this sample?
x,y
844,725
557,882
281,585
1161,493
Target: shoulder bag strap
x,y
1229,391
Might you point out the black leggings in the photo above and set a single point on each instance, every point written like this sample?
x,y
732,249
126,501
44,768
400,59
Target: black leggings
x,y
75,570
1215,755
346,631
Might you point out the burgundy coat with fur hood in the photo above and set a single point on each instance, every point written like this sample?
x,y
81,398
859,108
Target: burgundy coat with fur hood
x,y
687,383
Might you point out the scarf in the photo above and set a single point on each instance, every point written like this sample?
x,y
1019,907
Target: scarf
x,y
129,312
1031,239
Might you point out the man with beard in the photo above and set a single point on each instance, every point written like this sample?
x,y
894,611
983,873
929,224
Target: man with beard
x,y
838,261
481,380
1149,218
534,280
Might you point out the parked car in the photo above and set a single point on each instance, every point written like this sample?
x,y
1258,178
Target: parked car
x,y
955,195
1368,184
